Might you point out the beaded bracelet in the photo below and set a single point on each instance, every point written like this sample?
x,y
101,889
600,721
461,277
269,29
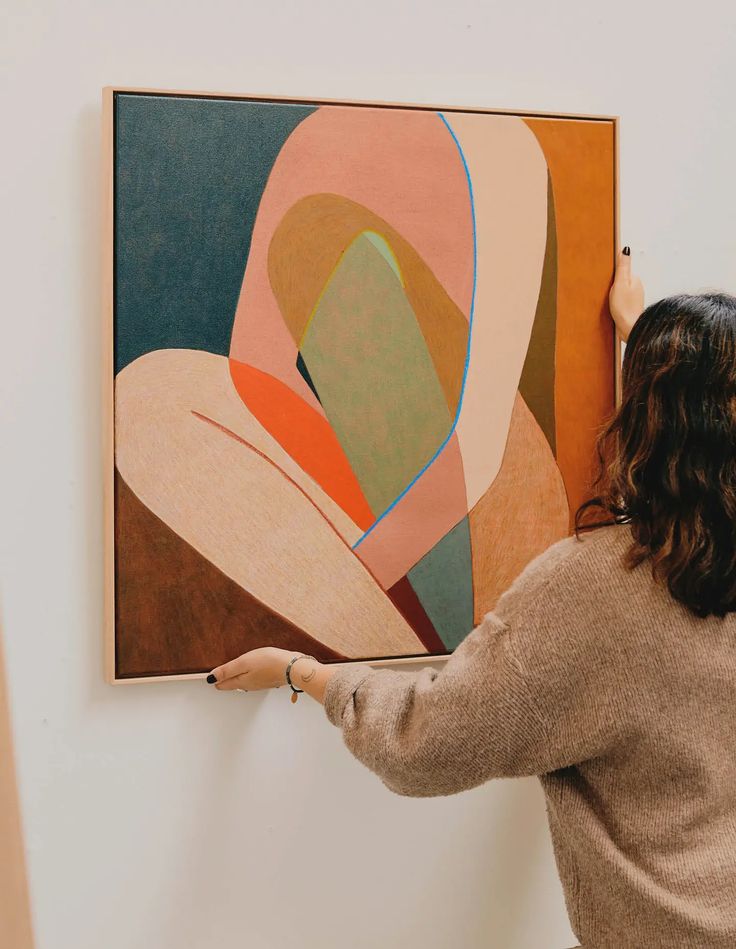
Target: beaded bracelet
x,y
295,693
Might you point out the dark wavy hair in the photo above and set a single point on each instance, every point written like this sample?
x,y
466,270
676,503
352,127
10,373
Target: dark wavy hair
x,y
668,455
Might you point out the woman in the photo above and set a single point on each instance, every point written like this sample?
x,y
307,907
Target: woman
x,y
609,667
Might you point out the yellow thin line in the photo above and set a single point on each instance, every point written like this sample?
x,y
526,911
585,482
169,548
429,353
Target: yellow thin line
x,y
391,251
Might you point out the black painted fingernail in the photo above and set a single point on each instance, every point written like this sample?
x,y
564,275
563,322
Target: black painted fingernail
x,y
211,679
627,250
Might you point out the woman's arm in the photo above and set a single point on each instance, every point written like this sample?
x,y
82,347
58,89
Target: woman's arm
x,y
426,732
515,697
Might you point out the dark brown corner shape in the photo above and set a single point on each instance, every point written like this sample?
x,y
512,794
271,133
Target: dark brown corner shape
x,y
176,613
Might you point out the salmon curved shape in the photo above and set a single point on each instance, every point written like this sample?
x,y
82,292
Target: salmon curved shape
x,y
388,160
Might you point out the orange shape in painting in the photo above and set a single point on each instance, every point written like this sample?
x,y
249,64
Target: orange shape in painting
x,y
305,435
520,515
580,155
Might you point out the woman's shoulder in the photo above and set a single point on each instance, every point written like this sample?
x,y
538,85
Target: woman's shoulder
x,y
591,560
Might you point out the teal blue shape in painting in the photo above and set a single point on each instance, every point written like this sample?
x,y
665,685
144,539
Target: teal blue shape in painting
x,y
189,176
443,581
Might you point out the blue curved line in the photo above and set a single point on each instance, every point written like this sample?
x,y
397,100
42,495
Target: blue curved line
x,y
467,352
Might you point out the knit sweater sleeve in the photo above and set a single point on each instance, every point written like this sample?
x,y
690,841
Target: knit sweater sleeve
x,y
506,703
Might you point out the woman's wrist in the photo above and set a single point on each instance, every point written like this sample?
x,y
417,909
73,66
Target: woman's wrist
x,y
309,675
625,323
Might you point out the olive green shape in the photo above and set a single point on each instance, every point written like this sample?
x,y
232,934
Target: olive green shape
x,y
537,383
369,362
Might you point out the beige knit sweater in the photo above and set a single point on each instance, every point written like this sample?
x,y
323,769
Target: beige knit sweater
x,y
593,677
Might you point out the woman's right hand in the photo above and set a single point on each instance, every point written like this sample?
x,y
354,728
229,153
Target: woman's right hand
x,y
626,296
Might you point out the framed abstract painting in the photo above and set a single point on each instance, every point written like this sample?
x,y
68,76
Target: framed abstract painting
x,y
358,358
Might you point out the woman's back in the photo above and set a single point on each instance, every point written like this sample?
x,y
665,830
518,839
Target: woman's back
x,y
644,825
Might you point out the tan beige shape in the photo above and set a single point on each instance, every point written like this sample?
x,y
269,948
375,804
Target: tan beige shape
x,y
509,178
189,449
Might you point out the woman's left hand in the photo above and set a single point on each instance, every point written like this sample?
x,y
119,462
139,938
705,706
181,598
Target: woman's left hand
x,y
626,296
263,668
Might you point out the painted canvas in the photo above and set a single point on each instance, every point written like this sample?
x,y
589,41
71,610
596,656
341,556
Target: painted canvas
x,y
361,356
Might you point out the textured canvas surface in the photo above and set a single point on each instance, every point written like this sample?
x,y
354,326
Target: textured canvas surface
x,y
362,355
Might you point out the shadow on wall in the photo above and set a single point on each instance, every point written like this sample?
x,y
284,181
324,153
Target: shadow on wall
x,y
86,187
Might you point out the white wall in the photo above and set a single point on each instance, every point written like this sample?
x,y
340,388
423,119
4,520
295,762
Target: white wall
x,y
168,816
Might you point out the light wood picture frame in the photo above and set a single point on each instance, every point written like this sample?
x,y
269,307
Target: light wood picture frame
x,y
343,185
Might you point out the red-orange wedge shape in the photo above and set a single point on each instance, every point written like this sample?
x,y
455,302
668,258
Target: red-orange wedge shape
x,y
305,435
